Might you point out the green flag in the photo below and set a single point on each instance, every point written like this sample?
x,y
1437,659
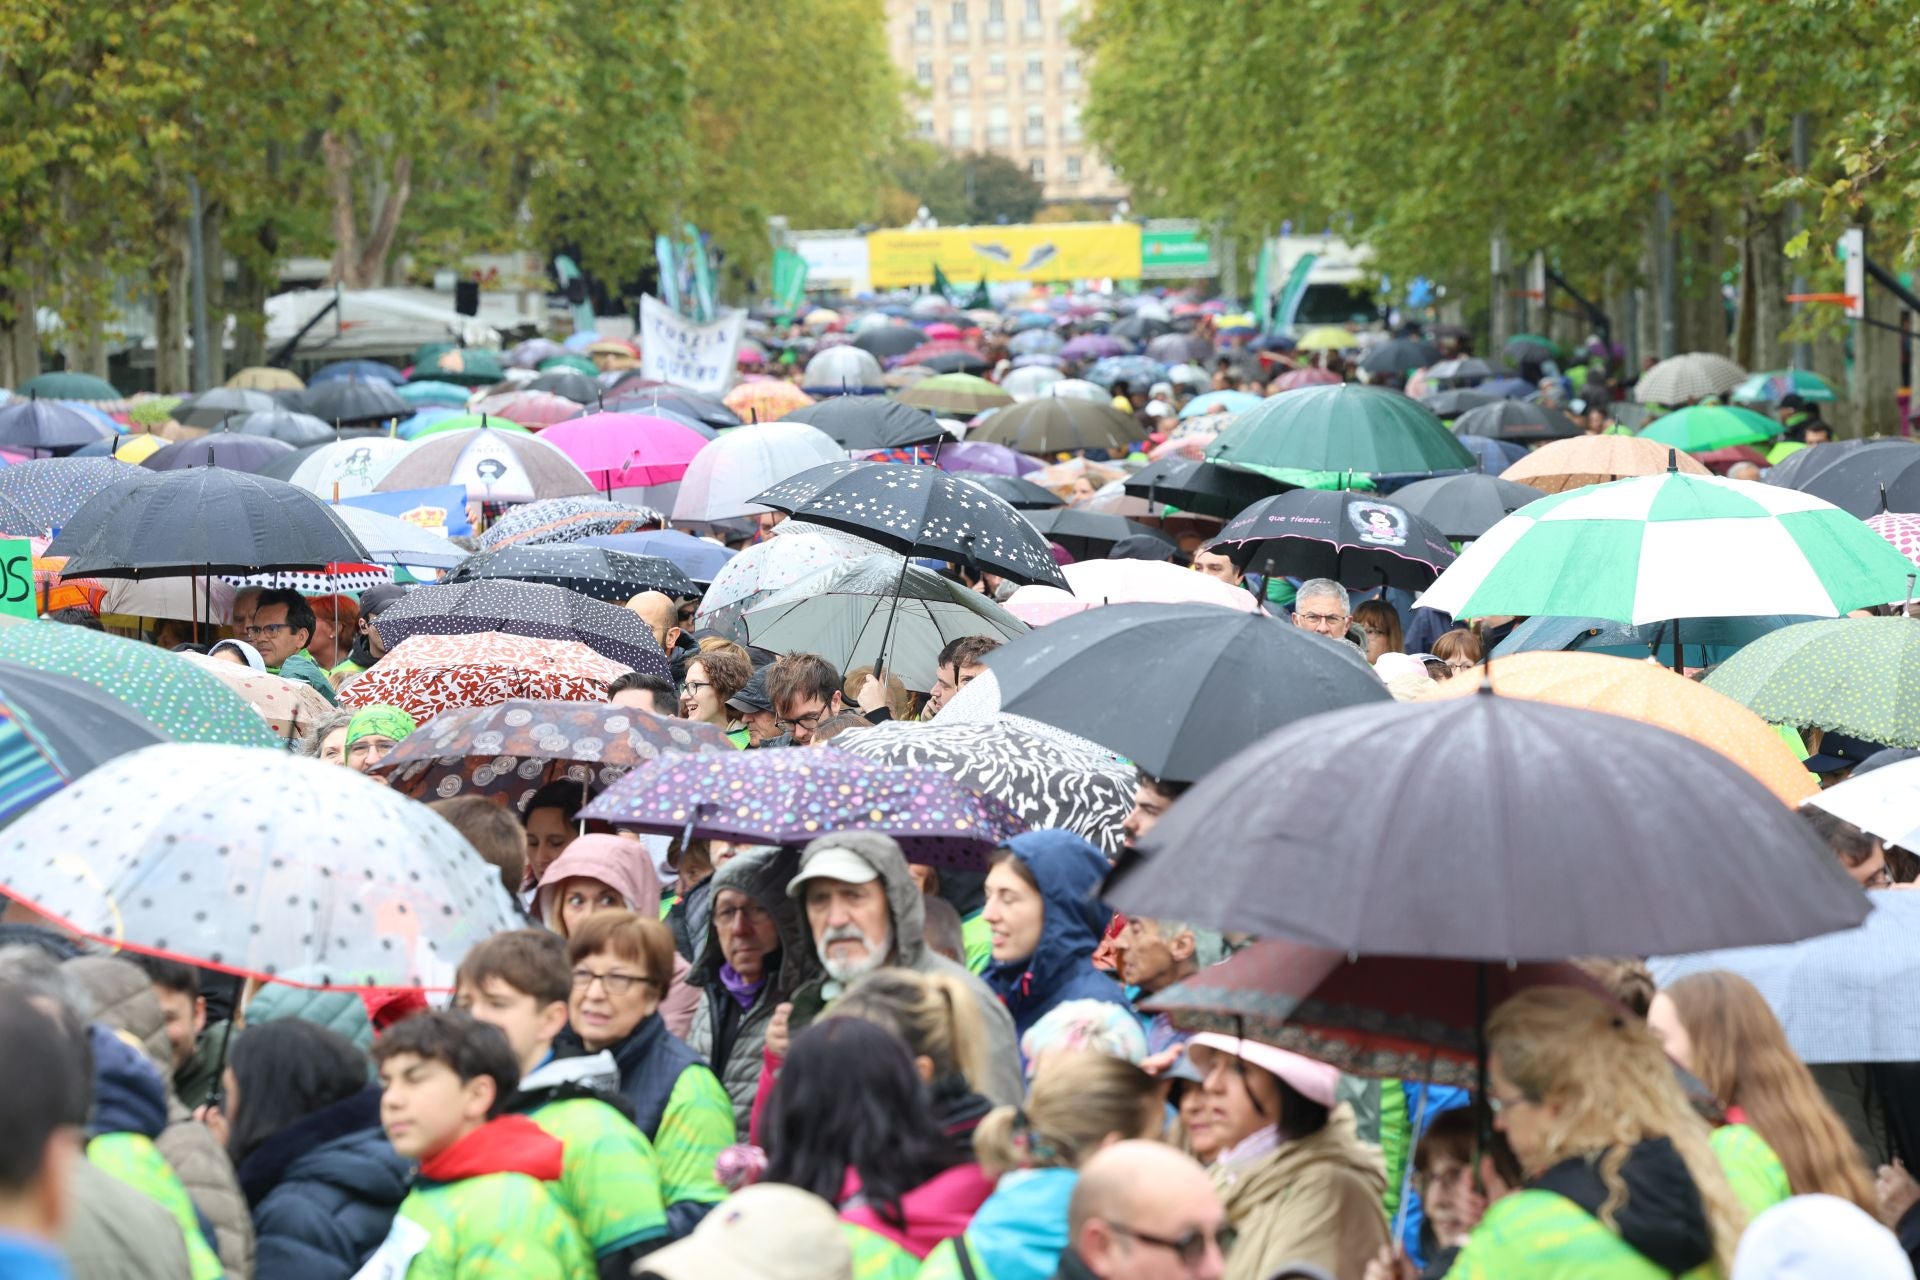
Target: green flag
x,y
1295,290
981,300
942,285
789,281
1263,287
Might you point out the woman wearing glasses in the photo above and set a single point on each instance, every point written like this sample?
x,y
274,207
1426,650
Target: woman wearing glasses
x,y
721,670
612,873
622,962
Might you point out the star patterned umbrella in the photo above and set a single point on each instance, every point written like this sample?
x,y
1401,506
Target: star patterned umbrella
x,y
50,490
428,674
613,576
524,609
562,520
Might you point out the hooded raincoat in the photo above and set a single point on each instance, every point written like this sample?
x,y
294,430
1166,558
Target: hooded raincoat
x,y
1068,870
1314,1200
1018,1234
626,867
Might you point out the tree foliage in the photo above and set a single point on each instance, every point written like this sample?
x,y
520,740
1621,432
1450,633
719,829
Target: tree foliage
x,y
958,188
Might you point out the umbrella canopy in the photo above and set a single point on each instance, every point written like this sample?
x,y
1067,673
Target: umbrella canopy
x,y
1050,424
569,384
1221,402
562,520
422,425
613,576
918,511
1901,530
1327,337
337,882
48,491
1672,546
724,476
1096,346
1652,695
528,408
1046,779
1180,348
1841,998
765,401
68,386
234,452
1518,421
1685,378
1140,327
655,398
265,378
1581,869
1400,356
1721,461
699,558
890,340
1368,430
946,357
291,708
797,551
1087,534
1869,476
1311,376
1214,704
437,394
1772,388
201,520
358,370
1015,492
1465,369
870,423
54,729
1448,405
1139,372
1094,583
789,797
840,370
180,702
1027,381
961,394
1506,388
1035,341
1586,460
1703,641
1463,507
1703,427
343,468
513,748
427,674
1078,389
392,541
1494,456
1857,676
349,400
524,609
1883,802
27,423
296,430
875,611
1204,488
469,366
214,408
626,449
494,465
989,459
1359,539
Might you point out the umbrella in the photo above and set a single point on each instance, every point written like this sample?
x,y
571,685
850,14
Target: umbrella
x,y
1721,461
839,370
129,449
347,400
1040,774
1026,382
1901,530
888,341
1671,546
1883,802
1096,346
1050,424
181,703
955,393
422,425
870,423
1180,348
1327,337
699,558
234,452
1035,341
201,520
1094,583
1463,507
1368,430
563,520
1359,539
494,465
946,357
1221,402
1506,388
569,384
1879,475
358,370
1012,490
918,511
265,378
297,430
613,576
470,366
1140,327
291,708
1463,369
54,729
1709,640
655,398
68,386
1531,349
988,459
344,468
1183,726
528,408
530,354
1448,405
326,580
336,882
1518,421
213,408
1703,427
427,674
1087,534
797,550
443,395
524,609
906,376
624,449
1076,389
1311,376
1587,460
1136,371
27,423
765,401
48,491
789,797
1494,456
1856,676
724,476
1344,855
1842,998
515,747
1685,378
1400,356
1201,487
868,613
1772,388
1652,695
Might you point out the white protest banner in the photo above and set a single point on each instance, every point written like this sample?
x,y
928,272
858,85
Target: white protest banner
x,y
674,349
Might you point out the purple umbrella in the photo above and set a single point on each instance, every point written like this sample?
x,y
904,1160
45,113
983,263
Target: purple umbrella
x,y
993,459
789,797
1042,361
1095,346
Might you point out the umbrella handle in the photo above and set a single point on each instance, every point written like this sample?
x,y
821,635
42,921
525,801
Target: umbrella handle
x,y
893,608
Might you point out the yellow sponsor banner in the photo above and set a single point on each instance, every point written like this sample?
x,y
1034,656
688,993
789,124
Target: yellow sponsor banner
x,y
1037,252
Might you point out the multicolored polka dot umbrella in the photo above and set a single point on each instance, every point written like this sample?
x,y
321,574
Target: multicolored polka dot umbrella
x,y
257,863
790,797
1857,676
567,520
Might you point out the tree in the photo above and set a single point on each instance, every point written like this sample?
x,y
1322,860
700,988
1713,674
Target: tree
x,y
959,188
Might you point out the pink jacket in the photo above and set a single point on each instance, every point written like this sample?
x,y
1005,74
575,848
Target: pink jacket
x,y
938,1209
624,866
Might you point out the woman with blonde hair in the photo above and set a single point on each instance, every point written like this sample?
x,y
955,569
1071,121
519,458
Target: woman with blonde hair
x,y
935,1014
1718,1026
1081,1102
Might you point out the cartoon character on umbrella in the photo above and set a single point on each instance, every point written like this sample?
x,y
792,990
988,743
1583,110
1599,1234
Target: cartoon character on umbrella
x,y
1378,524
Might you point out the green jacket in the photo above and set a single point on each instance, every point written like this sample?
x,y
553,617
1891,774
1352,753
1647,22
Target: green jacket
x,y
1754,1172
610,1177
194,1082
1539,1235
877,1258
134,1160
695,1128
303,668
978,940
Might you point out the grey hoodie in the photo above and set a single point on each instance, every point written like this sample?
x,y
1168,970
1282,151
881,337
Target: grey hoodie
x,y
1004,1084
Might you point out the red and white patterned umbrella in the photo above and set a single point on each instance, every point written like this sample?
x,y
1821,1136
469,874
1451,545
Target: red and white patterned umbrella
x,y
427,674
1902,529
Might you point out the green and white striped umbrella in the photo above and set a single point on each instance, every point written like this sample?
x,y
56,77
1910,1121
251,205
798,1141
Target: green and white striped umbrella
x,y
1672,546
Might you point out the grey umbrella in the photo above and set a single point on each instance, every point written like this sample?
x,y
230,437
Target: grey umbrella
x,y
1465,506
524,609
350,400
211,408
301,430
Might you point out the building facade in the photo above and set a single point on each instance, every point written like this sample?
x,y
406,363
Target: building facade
x,y
1002,76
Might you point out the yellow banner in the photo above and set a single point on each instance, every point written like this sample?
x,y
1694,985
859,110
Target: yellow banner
x,y
1036,252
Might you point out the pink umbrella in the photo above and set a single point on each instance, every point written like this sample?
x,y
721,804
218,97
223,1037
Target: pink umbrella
x,y
621,450
943,332
1902,529
529,408
1184,444
1311,376
1098,582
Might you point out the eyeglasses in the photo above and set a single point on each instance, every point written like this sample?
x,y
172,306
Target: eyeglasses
x,y
1459,664
258,629
1321,619
1190,1245
809,721
1496,1104
695,686
614,984
725,918
1881,879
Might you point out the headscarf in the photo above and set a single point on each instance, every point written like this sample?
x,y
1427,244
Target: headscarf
x,y
248,654
379,721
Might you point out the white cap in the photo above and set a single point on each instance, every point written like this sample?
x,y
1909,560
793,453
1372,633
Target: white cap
x,y
833,864
1819,1236
763,1232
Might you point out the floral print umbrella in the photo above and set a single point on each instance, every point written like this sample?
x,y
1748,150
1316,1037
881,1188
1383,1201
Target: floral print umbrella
x,y
428,674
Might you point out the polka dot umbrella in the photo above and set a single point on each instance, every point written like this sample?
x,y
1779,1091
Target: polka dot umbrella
x,y
559,520
1856,676
50,490
428,674
260,864
613,576
789,797
524,609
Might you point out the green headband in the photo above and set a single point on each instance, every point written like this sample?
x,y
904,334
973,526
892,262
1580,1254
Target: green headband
x,y
381,722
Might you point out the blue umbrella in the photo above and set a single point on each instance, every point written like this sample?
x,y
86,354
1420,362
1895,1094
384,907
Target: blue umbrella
x,y
1137,370
1232,401
1507,388
697,558
422,394
1495,455
1036,342
358,369
1028,321
1709,640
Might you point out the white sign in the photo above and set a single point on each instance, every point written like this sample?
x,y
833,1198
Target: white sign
x,y
674,349
1853,247
834,261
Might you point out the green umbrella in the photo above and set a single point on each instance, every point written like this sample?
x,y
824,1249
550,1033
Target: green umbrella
x,y
180,699
466,422
1857,676
579,364
1777,385
1701,428
69,386
468,366
955,393
1368,430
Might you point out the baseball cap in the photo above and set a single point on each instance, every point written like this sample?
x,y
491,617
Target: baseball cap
x,y
763,1232
752,696
374,599
832,863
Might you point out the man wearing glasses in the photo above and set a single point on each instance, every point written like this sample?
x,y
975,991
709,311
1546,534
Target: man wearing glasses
x,y
1322,606
281,628
1144,1211
804,689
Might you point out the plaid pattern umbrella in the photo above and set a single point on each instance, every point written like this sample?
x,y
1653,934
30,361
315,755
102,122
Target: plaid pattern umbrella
x,y
428,674
1684,378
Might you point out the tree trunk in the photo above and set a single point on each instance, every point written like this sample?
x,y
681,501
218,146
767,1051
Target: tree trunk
x,y
346,231
172,374
216,273
89,299
19,341
1876,363
374,266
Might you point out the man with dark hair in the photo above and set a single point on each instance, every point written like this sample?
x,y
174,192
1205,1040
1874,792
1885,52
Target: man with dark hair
x,y
75,616
969,658
368,648
282,628
484,1199
42,1111
804,689
197,1056
645,693
1220,565
1152,797
1862,854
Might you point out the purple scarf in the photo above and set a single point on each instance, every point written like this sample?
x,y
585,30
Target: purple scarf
x,y
738,987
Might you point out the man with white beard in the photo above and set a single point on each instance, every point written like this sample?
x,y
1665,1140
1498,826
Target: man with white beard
x,y
864,912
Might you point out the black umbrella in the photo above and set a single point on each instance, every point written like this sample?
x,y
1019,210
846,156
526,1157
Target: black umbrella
x,y
1465,506
1140,328
210,409
955,362
300,430
1451,404
1012,490
345,400
1203,488
524,609
570,384
1088,535
1856,481
1359,539
613,576
920,511
890,340
1516,420
1466,367
1488,828
223,449
201,520
1232,679
49,490
1527,353
1802,465
47,425
636,395
1180,348
1399,356
1057,424
870,422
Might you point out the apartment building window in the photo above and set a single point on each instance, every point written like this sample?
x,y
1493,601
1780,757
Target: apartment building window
x,y
1070,123
1036,77
1073,168
1036,132
997,66
1038,168
998,132
1034,26
996,19
959,76
960,127
957,22
1070,72
923,123
923,71
923,25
